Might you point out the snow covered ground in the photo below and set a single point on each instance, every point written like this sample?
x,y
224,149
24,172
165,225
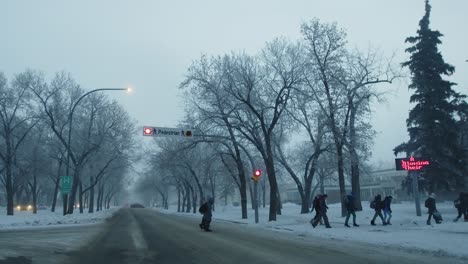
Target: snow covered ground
x,y
25,219
407,231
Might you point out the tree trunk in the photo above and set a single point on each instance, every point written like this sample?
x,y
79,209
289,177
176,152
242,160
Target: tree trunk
x,y
280,204
252,199
91,195
264,193
189,200
178,199
194,202
57,186
34,194
76,182
355,184
80,197
101,201
9,181
341,179
240,168
86,200
99,197
270,167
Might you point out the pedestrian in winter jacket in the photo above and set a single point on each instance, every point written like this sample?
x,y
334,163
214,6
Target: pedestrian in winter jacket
x,y
351,208
206,209
378,206
322,212
316,206
461,206
387,210
431,206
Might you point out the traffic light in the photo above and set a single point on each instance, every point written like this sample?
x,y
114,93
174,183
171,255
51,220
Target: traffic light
x,y
148,131
256,176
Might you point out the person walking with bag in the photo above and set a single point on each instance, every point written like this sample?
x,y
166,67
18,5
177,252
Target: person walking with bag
x,y
387,210
430,204
206,209
461,206
351,208
322,212
377,205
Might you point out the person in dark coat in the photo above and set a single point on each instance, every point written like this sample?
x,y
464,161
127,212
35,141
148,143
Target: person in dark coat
x,y
207,214
316,206
431,206
322,212
460,204
351,208
378,209
387,210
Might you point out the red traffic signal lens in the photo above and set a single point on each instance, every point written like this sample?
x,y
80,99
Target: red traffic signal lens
x,y
147,131
258,173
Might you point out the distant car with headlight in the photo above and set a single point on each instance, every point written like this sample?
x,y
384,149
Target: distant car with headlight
x,y
24,207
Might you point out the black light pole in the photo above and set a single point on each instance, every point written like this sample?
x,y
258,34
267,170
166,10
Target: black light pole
x,y
65,196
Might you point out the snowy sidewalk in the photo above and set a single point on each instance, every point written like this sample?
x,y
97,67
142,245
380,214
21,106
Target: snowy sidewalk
x,y
25,219
407,231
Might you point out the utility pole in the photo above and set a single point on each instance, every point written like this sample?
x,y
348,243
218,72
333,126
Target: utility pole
x,y
255,178
416,192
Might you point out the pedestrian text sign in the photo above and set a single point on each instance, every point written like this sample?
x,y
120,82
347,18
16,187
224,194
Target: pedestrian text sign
x,y
411,163
66,184
167,132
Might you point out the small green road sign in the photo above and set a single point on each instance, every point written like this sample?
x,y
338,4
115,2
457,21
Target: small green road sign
x,y
66,184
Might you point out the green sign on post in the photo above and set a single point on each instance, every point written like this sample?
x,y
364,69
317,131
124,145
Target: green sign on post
x,y
66,184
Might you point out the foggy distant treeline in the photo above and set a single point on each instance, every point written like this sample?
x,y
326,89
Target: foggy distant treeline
x,y
34,134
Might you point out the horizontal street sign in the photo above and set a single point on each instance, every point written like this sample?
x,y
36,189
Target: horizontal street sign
x,y
167,132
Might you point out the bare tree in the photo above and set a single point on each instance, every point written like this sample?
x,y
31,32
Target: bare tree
x,y
263,86
16,121
332,76
208,96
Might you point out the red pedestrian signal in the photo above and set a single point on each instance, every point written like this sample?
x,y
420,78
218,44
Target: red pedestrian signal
x,y
256,176
148,131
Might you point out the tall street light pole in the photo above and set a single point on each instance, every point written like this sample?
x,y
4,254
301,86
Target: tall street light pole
x,y
65,196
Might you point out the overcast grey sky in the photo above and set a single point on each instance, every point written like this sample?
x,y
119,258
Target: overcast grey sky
x,y
150,44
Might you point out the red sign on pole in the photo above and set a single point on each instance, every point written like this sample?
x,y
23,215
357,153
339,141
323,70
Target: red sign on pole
x,y
411,163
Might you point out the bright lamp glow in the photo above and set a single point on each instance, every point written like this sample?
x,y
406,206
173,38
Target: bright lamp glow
x,y
129,89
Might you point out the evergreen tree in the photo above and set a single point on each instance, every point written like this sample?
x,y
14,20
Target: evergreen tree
x,y
432,123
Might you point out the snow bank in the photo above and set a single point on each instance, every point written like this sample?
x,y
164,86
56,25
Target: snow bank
x,y
407,231
24,219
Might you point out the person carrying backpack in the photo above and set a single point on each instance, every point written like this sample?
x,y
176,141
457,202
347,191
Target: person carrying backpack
x,y
430,203
378,205
387,210
461,206
351,208
322,212
316,206
205,209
